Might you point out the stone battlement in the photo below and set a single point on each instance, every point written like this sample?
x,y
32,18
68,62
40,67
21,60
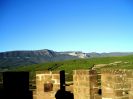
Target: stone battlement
x,y
47,84
88,84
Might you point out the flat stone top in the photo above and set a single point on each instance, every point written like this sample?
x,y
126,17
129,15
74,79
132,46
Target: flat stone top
x,y
111,69
47,72
117,71
82,71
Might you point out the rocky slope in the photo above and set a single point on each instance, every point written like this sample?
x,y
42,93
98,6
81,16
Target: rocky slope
x,y
22,58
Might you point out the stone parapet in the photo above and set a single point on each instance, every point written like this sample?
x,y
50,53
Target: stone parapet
x,y
85,84
88,84
116,83
47,84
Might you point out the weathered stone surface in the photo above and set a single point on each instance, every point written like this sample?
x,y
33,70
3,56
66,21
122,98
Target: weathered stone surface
x,y
47,84
114,83
85,84
117,84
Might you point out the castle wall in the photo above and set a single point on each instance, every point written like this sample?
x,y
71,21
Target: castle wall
x,y
47,84
85,84
117,84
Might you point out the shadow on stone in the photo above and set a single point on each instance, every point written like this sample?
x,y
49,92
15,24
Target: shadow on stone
x,y
62,93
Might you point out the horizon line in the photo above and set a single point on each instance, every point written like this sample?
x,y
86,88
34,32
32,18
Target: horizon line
x,y
68,51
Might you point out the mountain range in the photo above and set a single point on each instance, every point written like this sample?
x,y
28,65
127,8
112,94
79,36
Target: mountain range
x,y
23,58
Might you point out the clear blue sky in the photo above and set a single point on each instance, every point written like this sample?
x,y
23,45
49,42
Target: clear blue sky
x,y
61,25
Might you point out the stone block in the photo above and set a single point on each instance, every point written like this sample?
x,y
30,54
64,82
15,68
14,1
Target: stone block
x,y
47,83
130,94
56,76
96,96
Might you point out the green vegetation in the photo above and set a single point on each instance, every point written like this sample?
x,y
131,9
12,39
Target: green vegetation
x,y
70,65
126,62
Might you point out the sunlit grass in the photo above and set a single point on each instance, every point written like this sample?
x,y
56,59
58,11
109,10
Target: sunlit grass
x,y
71,65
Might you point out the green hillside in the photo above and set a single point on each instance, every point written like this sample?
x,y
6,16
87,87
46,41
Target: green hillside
x,y
124,62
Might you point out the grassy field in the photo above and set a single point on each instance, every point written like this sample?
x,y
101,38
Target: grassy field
x,y
71,65
126,62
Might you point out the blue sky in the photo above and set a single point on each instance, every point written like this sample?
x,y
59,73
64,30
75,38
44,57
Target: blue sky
x,y
62,25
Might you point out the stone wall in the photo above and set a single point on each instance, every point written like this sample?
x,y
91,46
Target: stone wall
x,y
117,84
47,84
85,84
114,83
